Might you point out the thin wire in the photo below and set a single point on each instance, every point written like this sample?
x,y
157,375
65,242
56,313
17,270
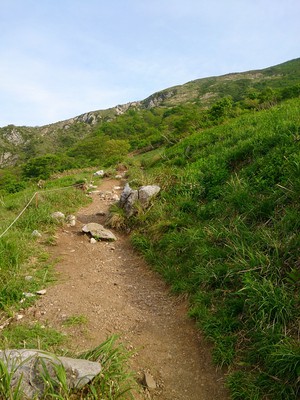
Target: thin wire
x,y
16,219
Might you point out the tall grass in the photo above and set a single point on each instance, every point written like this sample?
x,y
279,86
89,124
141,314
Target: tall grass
x,y
226,230
20,253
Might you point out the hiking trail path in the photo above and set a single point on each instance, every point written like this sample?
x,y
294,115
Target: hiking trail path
x,y
116,291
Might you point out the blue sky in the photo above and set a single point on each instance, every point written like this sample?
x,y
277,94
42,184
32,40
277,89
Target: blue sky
x,y
62,58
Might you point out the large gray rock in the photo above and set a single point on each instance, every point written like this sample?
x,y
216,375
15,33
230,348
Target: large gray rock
x,y
28,368
143,195
98,231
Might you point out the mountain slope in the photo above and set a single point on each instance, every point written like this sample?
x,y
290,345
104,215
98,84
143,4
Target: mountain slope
x,y
22,143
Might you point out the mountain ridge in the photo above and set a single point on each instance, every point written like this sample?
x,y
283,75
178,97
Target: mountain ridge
x,y
202,92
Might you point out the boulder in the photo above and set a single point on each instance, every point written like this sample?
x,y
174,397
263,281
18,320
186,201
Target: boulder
x,y
143,196
99,232
29,366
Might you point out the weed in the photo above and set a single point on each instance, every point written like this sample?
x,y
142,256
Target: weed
x,y
75,320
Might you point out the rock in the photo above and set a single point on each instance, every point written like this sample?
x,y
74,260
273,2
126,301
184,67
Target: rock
x,y
71,220
125,194
101,213
98,231
28,278
93,241
27,295
59,216
146,193
115,197
149,382
41,292
118,176
28,368
99,173
36,233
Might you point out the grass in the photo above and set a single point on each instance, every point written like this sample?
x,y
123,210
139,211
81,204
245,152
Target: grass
x,y
113,382
20,253
33,336
225,229
75,320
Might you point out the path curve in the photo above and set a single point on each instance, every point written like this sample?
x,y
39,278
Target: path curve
x,y
110,284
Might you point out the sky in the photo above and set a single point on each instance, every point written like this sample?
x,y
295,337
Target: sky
x,y
62,58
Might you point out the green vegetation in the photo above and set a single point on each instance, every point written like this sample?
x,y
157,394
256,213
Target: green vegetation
x,y
19,254
114,381
226,231
225,228
32,336
75,320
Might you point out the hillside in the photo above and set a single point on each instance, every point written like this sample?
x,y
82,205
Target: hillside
x,y
18,144
224,231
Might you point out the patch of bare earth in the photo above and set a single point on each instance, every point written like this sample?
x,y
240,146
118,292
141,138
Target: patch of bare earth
x,y
111,285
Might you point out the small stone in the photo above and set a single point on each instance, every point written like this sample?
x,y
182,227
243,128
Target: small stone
x,y
28,278
99,173
93,241
117,188
36,233
148,381
19,317
28,295
71,220
58,215
41,292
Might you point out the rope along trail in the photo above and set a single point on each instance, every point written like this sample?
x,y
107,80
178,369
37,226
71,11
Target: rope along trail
x,y
31,200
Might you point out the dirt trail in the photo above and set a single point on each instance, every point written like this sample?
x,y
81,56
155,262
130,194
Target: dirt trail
x,y
116,291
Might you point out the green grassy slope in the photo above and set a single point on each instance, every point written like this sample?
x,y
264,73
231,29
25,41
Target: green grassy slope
x,y
226,230
207,90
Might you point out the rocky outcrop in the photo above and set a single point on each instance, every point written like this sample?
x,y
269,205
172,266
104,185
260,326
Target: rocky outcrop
x,y
31,368
122,108
158,98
